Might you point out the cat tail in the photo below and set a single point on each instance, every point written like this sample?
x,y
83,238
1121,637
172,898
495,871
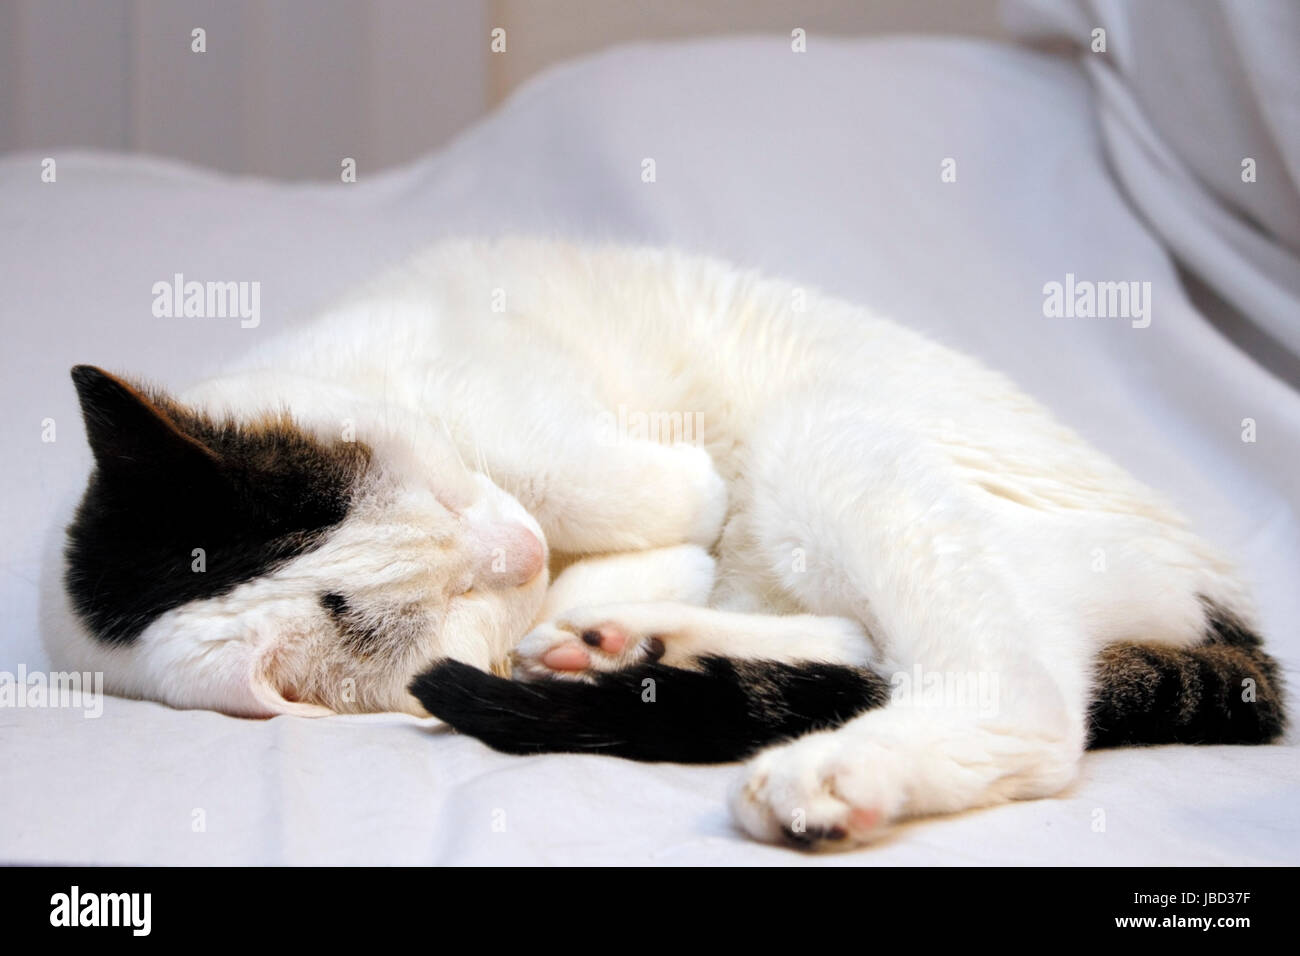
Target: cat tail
x,y
1225,690
724,711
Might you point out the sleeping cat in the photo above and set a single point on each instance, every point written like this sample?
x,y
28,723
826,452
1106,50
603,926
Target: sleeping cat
x,y
768,514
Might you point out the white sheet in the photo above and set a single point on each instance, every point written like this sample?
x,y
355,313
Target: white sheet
x,y
823,166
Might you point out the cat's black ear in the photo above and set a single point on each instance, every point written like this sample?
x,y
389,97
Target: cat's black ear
x,y
128,431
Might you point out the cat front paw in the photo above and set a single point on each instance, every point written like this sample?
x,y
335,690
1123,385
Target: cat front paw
x,y
821,792
582,644
709,494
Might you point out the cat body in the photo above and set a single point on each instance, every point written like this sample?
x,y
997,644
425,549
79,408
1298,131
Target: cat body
x,y
718,466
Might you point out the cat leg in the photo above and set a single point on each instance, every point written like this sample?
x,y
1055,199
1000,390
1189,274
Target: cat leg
x,y
987,659
683,573
584,641
630,497
845,787
591,488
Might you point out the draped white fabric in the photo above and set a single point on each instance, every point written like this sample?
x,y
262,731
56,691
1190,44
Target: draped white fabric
x,y
1199,106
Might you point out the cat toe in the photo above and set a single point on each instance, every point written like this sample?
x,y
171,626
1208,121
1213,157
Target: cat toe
x,y
567,657
810,837
609,638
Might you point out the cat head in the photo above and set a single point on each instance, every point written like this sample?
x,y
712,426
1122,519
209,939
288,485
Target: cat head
x,y
256,565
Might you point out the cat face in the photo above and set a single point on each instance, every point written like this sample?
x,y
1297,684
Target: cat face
x,y
260,566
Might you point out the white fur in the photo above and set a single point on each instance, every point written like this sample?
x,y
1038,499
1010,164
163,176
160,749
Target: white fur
x,y
866,474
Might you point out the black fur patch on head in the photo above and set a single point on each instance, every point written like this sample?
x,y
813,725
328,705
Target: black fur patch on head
x,y
169,481
725,711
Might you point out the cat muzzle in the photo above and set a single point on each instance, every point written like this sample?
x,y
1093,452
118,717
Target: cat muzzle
x,y
510,556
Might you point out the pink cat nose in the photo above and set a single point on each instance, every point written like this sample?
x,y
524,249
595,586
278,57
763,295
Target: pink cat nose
x,y
510,556
531,557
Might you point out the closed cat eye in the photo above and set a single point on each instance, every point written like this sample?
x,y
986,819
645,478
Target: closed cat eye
x,y
335,603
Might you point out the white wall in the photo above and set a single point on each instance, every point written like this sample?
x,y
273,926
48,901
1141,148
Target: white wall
x,y
545,31
285,88
289,87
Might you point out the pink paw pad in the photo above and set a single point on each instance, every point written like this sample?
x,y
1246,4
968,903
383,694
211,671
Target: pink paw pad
x,y
863,819
607,637
567,657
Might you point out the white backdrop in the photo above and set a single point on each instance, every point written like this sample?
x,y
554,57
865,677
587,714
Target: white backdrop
x,y
289,87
